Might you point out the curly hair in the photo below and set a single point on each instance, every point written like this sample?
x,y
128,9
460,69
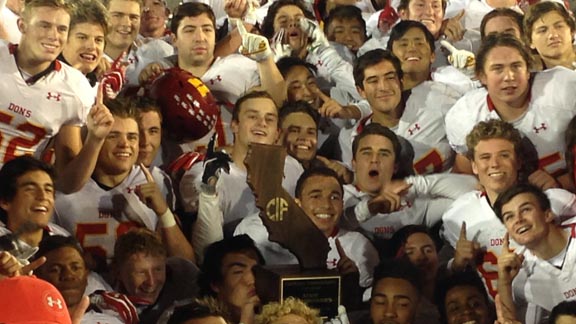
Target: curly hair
x,y
291,306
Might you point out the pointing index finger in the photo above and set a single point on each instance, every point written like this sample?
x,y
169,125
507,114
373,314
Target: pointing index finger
x,y
506,243
463,231
448,46
100,94
147,173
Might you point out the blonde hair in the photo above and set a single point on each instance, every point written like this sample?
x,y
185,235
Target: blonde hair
x,y
291,306
56,4
493,128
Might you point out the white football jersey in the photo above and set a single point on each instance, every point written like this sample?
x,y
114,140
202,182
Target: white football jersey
x,y
139,56
484,227
356,246
546,283
30,114
422,124
412,211
228,78
236,199
97,216
544,121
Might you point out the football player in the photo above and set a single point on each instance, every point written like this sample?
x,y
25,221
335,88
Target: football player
x,y
549,30
45,85
470,224
223,198
229,77
541,271
512,94
320,195
378,76
120,195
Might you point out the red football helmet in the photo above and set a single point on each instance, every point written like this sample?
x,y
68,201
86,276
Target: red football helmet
x,y
189,111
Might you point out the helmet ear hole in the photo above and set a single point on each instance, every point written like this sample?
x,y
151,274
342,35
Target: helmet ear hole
x,y
189,111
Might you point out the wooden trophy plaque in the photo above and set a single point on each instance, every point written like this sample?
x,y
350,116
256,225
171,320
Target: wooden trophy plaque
x,y
289,226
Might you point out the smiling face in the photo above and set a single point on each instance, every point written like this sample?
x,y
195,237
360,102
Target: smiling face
x,y
321,200
44,33
124,23
506,77
195,40
496,165
374,163
257,122
85,46
382,87
465,304
413,51
33,202
120,149
552,37
525,220
143,275
302,85
66,270
428,12
300,136
287,18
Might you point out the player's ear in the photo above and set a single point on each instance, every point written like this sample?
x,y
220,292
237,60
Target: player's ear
x,y
280,137
21,25
474,167
298,202
549,216
403,13
361,92
234,127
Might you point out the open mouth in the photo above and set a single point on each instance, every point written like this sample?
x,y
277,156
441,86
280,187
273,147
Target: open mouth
x,y
41,209
523,229
88,57
373,173
412,59
258,133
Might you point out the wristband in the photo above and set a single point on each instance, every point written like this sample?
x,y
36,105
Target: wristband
x,y
167,219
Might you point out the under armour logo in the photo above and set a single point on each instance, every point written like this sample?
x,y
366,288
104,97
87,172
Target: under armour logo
x,y
217,79
332,262
130,189
541,128
55,96
319,63
131,60
414,129
52,302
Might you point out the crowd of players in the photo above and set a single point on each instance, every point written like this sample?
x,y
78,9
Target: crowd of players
x,y
431,142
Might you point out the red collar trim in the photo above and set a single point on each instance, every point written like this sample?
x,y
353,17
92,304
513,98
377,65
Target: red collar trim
x,y
363,123
54,66
492,107
335,232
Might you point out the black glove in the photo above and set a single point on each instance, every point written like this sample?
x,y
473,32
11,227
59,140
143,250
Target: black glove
x,y
215,162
